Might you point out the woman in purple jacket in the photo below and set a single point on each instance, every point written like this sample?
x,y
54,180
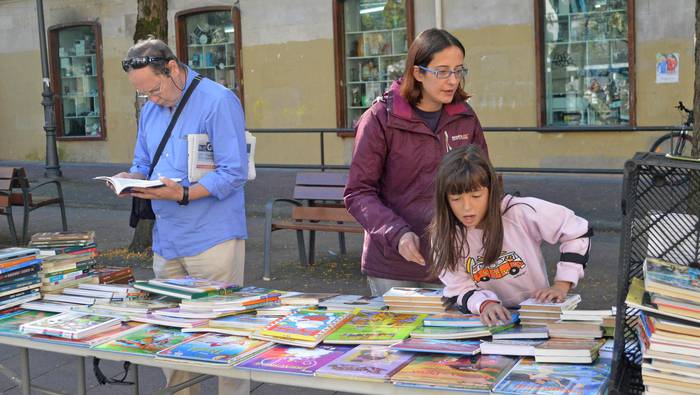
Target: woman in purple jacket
x,y
399,143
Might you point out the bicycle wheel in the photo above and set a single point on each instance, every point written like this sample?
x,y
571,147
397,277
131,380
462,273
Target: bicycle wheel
x,y
674,143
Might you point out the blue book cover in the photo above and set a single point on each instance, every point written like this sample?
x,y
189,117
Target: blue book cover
x,y
19,266
214,347
528,377
20,282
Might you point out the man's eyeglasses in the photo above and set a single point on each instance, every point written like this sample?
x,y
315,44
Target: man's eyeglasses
x,y
140,62
153,92
443,74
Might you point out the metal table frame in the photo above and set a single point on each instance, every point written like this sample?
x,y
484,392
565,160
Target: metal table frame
x,y
203,370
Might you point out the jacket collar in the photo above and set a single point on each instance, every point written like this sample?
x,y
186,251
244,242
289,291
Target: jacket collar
x,y
398,106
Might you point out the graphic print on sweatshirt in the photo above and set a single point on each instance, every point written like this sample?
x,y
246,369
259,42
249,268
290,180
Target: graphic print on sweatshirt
x,y
508,263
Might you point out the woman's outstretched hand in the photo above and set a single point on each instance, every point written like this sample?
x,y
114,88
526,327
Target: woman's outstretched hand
x,y
409,248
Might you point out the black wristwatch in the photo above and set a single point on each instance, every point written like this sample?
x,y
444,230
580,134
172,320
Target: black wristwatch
x,y
185,196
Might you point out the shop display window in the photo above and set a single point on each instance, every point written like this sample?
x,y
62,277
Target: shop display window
x,y
208,41
76,76
586,77
372,38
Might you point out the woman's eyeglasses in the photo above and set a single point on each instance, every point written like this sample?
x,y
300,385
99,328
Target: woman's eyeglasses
x,y
140,62
443,74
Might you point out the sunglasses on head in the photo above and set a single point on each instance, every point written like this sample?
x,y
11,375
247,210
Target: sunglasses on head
x,y
140,62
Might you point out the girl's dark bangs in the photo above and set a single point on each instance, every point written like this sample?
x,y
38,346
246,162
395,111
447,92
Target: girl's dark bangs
x,y
467,179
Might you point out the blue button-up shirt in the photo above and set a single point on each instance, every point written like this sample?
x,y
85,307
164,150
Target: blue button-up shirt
x,y
182,231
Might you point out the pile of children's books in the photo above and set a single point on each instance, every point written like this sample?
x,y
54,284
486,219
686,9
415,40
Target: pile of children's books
x,y
220,324
668,326
68,259
19,276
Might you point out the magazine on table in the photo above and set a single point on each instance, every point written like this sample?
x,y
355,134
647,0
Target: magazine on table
x,y
200,156
124,185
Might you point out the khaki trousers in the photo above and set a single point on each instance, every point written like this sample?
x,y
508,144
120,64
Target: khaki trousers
x,y
223,262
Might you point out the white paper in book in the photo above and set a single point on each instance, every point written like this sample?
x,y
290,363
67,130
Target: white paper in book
x,y
200,156
673,237
125,184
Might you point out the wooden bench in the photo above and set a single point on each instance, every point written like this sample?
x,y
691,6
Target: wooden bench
x,y
317,207
16,191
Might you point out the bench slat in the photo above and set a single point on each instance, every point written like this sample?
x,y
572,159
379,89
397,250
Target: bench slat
x,y
320,227
318,193
5,184
333,179
322,214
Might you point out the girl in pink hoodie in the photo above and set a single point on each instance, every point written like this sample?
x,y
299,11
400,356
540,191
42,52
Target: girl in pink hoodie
x,y
486,245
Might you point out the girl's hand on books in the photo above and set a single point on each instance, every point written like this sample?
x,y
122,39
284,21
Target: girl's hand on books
x,y
409,248
494,314
555,293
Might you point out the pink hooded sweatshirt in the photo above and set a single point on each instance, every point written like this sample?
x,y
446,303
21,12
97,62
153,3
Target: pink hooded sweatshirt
x,y
520,270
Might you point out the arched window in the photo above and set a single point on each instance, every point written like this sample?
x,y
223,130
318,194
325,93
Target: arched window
x,y
76,78
209,42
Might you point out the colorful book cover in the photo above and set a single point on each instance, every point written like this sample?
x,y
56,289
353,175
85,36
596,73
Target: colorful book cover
x,y
71,325
306,324
480,372
191,284
146,340
214,348
463,347
295,360
528,377
461,320
93,340
244,296
367,362
9,324
671,274
251,321
569,303
376,326
351,302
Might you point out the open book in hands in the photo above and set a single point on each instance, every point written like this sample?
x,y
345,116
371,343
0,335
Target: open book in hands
x,y
124,185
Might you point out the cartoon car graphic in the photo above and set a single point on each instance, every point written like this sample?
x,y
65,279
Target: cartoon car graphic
x,y
507,263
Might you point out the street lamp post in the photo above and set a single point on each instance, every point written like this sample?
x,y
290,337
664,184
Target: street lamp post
x,y
52,167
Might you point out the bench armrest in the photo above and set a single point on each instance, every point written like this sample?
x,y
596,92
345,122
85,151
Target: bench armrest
x,y
271,204
58,187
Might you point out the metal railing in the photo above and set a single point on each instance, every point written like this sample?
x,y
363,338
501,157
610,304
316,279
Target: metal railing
x,y
508,129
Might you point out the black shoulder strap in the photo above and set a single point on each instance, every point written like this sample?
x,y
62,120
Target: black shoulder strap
x,y
173,121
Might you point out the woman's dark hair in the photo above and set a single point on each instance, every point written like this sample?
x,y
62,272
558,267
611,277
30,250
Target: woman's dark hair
x,y
464,170
421,53
151,46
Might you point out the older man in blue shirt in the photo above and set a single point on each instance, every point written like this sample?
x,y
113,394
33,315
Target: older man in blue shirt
x,y
200,228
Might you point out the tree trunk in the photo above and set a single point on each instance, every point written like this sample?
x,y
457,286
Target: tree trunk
x,y
695,153
152,19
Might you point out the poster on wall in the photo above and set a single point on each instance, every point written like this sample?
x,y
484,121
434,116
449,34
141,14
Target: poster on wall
x,y
667,66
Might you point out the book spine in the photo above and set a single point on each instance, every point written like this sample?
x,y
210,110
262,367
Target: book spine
x,y
20,266
11,276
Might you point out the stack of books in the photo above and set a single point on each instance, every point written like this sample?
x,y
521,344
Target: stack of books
x,y
306,298
568,351
214,348
240,325
604,318
366,363
352,302
376,327
304,328
575,329
244,300
69,258
71,325
528,377
186,287
19,276
115,274
520,341
444,371
294,360
534,313
414,300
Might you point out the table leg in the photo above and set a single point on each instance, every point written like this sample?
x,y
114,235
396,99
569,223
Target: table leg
x,y
24,369
81,376
136,379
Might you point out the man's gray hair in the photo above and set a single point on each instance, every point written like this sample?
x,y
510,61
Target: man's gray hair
x,y
151,46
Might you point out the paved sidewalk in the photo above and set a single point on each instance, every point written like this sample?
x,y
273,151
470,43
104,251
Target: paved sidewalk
x,y
93,206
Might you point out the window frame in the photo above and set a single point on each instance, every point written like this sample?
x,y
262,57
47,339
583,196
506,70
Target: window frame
x,y
540,69
339,58
181,39
55,77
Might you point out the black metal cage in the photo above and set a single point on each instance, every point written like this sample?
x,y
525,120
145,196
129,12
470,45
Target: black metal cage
x,y
661,207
